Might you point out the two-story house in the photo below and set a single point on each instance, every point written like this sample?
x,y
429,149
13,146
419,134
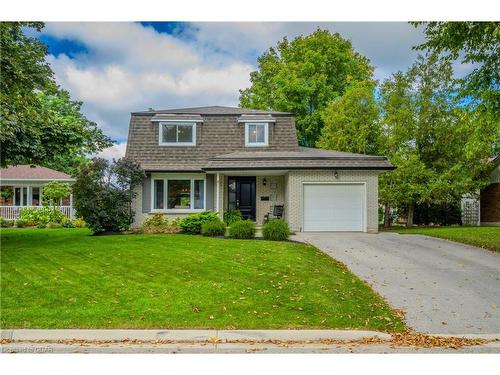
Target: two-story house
x,y
218,158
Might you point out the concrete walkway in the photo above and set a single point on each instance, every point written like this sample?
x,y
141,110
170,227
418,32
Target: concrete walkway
x,y
214,341
187,335
443,286
241,348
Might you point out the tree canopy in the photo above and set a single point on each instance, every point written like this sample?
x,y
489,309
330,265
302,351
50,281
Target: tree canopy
x,y
303,76
476,43
431,137
351,121
39,123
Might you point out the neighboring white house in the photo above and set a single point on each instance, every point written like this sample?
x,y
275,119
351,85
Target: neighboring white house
x,y
22,186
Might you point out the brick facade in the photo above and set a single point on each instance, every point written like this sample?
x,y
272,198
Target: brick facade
x,y
294,193
490,203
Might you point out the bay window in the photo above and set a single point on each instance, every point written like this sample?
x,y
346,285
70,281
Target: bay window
x,y
178,193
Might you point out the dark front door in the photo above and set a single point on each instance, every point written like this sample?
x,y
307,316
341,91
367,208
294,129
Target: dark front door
x,y
242,195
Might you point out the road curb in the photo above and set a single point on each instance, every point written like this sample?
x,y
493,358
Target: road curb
x,y
187,335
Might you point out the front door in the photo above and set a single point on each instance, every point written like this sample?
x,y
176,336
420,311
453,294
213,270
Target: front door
x,y
242,195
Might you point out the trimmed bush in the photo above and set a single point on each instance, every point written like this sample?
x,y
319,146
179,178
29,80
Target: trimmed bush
x,y
192,223
214,228
243,229
22,223
232,216
6,223
158,223
276,230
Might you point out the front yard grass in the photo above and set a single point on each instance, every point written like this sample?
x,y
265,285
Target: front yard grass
x,y
485,237
65,278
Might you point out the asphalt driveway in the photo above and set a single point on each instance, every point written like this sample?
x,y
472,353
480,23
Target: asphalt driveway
x,y
443,286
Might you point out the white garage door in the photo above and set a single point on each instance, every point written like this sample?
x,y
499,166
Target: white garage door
x,y
334,207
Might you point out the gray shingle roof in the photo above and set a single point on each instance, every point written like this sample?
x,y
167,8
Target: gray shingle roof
x,y
211,110
305,158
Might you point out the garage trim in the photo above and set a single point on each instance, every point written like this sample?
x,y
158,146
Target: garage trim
x,y
364,202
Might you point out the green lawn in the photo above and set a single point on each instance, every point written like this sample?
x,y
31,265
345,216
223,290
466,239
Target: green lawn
x,y
65,278
486,237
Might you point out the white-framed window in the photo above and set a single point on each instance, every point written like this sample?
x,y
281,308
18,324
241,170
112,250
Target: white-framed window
x,y
177,193
256,134
177,133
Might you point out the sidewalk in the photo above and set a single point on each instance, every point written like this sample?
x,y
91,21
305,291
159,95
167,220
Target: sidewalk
x,y
219,341
187,335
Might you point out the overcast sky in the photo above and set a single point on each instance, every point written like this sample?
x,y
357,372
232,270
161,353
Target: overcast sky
x,y
117,68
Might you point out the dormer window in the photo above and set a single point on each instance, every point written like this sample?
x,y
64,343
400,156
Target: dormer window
x,y
177,133
256,134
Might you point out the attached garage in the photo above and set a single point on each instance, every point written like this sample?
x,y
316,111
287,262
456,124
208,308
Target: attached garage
x,y
334,207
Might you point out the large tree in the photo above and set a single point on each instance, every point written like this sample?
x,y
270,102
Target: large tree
x,y
351,122
303,76
432,137
39,123
475,43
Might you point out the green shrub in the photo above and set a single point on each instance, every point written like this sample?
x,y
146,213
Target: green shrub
x,y
214,228
242,229
67,223
54,225
192,223
41,226
79,223
276,230
158,223
43,215
232,216
156,220
104,192
22,223
6,223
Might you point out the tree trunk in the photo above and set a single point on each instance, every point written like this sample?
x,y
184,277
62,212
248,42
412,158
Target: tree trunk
x,y
387,216
411,208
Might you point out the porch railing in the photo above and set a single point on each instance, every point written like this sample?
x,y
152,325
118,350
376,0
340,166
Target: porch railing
x,y
12,212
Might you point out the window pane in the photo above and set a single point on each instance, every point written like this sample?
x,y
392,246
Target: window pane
x,y
158,194
252,134
256,133
35,196
185,133
17,197
199,194
179,194
169,133
260,133
231,194
25,196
